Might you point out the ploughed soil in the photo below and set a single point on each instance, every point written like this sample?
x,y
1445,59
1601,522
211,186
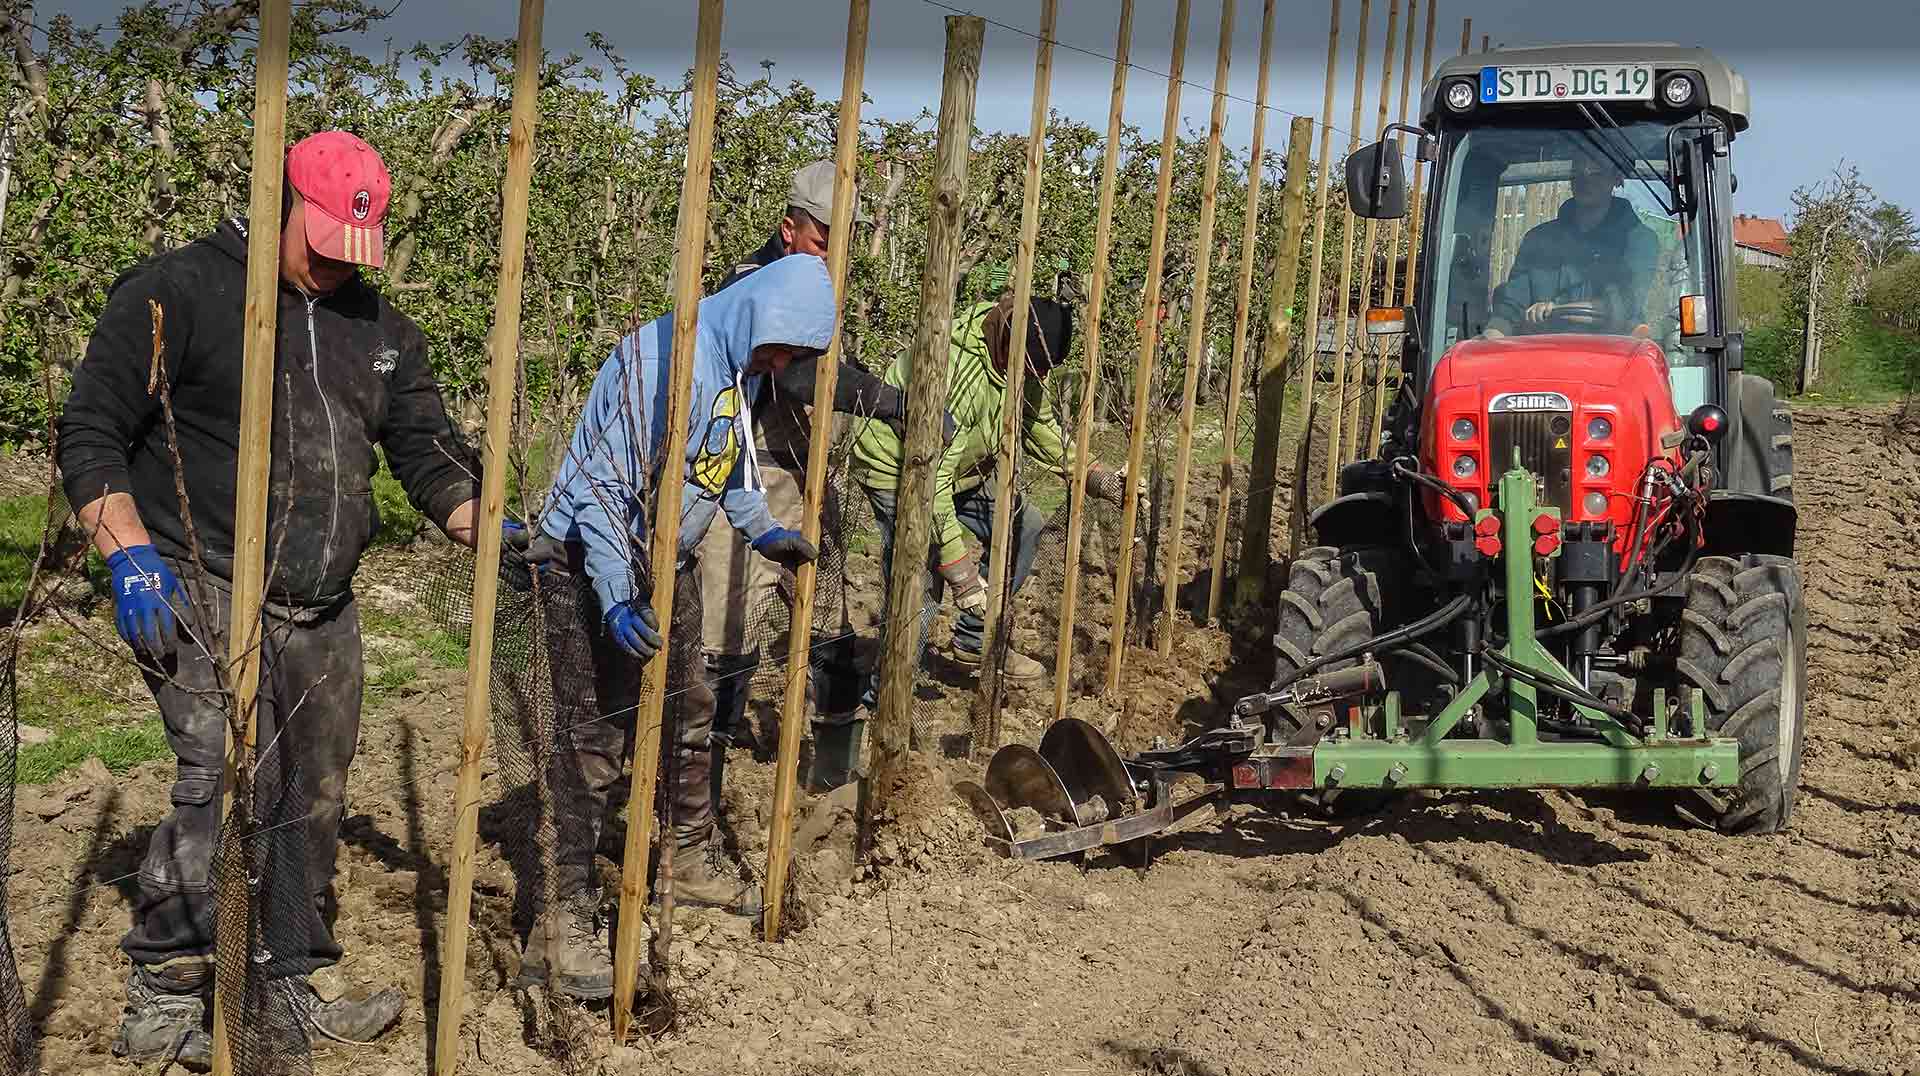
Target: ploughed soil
x,y
1499,933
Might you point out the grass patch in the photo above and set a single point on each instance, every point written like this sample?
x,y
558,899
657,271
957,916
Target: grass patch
x,y
22,520
426,639
121,747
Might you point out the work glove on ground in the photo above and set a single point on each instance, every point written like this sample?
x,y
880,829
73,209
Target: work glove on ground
x,y
634,628
142,587
969,590
786,547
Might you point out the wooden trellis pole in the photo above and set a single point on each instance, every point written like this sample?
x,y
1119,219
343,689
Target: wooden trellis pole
x,y
1196,334
690,251
1149,342
793,710
1355,437
1270,406
1392,291
926,401
1096,299
244,628
1342,327
1243,302
1466,35
1310,342
1013,418
1420,167
503,365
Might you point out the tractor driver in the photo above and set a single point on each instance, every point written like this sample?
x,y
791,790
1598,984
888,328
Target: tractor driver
x,y
1590,266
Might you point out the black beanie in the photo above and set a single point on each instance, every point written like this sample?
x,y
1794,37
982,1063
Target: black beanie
x,y
1049,335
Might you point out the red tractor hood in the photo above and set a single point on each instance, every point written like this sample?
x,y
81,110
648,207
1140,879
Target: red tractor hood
x,y
1563,357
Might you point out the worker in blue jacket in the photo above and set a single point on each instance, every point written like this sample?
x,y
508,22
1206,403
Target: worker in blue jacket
x,y
597,524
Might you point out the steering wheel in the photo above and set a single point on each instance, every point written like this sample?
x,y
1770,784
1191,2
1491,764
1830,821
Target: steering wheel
x,y
1584,316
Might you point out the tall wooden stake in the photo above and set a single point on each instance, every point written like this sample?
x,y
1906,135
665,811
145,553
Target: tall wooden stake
x,y
1342,327
503,364
690,253
1242,311
1466,35
926,401
1392,290
1270,407
1096,299
1013,413
1486,42
1420,167
244,628
1310,342
1196,336
793,710
1149,342
1362,343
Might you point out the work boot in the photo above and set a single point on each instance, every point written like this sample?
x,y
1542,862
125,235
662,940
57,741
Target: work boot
x,y
1019,668
836,750
343,1021
569,942
705,876
166,1018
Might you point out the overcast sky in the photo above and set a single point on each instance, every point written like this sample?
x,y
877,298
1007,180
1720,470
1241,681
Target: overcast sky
x,y
1831,80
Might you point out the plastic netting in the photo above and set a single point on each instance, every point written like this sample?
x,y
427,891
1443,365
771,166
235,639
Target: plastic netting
x,y
16,1028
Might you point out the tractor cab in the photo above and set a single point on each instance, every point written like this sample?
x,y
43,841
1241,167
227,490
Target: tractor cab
x,y
1581,210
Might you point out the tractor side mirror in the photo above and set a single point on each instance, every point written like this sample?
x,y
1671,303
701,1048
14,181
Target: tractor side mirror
x,y
1377,182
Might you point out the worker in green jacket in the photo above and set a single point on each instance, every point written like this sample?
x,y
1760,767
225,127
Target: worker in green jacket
x,y
962,489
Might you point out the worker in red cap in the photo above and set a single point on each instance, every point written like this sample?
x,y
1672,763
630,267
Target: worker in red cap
x,y
350,374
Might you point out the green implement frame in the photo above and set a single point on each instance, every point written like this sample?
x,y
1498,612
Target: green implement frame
x,y
1387,755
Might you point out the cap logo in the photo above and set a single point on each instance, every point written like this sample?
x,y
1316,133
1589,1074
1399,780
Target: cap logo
x,y
362,205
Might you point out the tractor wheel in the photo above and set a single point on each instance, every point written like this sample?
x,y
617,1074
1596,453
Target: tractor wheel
x,y
1743,646
1335,599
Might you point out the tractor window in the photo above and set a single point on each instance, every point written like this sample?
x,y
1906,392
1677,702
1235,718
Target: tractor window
x,y
1542,231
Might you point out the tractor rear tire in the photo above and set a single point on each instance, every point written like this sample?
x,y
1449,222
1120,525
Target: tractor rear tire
x,y
1743,646
1335,599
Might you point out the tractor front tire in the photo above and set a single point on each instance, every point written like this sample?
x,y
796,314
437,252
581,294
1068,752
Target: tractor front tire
x,y
1743,646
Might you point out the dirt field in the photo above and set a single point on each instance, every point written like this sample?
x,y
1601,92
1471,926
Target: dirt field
x,y
1516,933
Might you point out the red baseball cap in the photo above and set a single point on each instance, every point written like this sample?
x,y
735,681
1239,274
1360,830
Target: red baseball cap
x,y
346,188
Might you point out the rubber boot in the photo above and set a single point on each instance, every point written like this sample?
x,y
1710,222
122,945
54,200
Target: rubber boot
x,y
568,944
167,1015
837,742
705,876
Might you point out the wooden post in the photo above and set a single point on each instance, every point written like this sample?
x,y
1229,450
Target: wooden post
x,y
1243,303
1392,290
793,710
1355,438
1013,412
690,253
1341,328
1310,342
1270,407
244,630
1420,168
926,400
503,364
1196,333
1096,300
1486,42
1149,342
1466,35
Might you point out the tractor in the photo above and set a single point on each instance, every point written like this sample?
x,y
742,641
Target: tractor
x,y
1570,564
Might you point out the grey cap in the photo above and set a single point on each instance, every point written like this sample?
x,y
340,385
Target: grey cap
x,y
812,191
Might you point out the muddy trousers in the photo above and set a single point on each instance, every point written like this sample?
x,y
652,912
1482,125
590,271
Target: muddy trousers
x,y
596,733
306,729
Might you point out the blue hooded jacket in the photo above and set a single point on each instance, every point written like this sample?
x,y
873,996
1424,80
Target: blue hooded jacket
x,y
601,494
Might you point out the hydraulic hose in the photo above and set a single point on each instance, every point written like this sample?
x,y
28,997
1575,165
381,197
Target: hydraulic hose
x,y
1556,687
1440,486
1594,614
1427,625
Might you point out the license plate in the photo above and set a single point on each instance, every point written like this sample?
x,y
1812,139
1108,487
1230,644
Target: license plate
x,y
1566,82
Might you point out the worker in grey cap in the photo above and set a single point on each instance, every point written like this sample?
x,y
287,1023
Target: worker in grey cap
x,y
743,589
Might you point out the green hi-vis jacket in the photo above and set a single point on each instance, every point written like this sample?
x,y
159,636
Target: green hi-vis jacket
x,y
976,396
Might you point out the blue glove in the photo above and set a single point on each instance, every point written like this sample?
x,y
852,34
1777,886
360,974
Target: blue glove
x,y
142,585
786,547
514,536
635,629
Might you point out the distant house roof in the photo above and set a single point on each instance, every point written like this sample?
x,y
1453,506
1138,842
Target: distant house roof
x,y
1761,233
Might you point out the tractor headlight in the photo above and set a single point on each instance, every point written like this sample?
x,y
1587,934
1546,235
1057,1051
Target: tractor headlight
x,y
1465,467
1464,429
1461,95
1598,467
1595,504
1599,430
1677,91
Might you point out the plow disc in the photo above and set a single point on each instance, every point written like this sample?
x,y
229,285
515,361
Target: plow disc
x,y
1073,794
